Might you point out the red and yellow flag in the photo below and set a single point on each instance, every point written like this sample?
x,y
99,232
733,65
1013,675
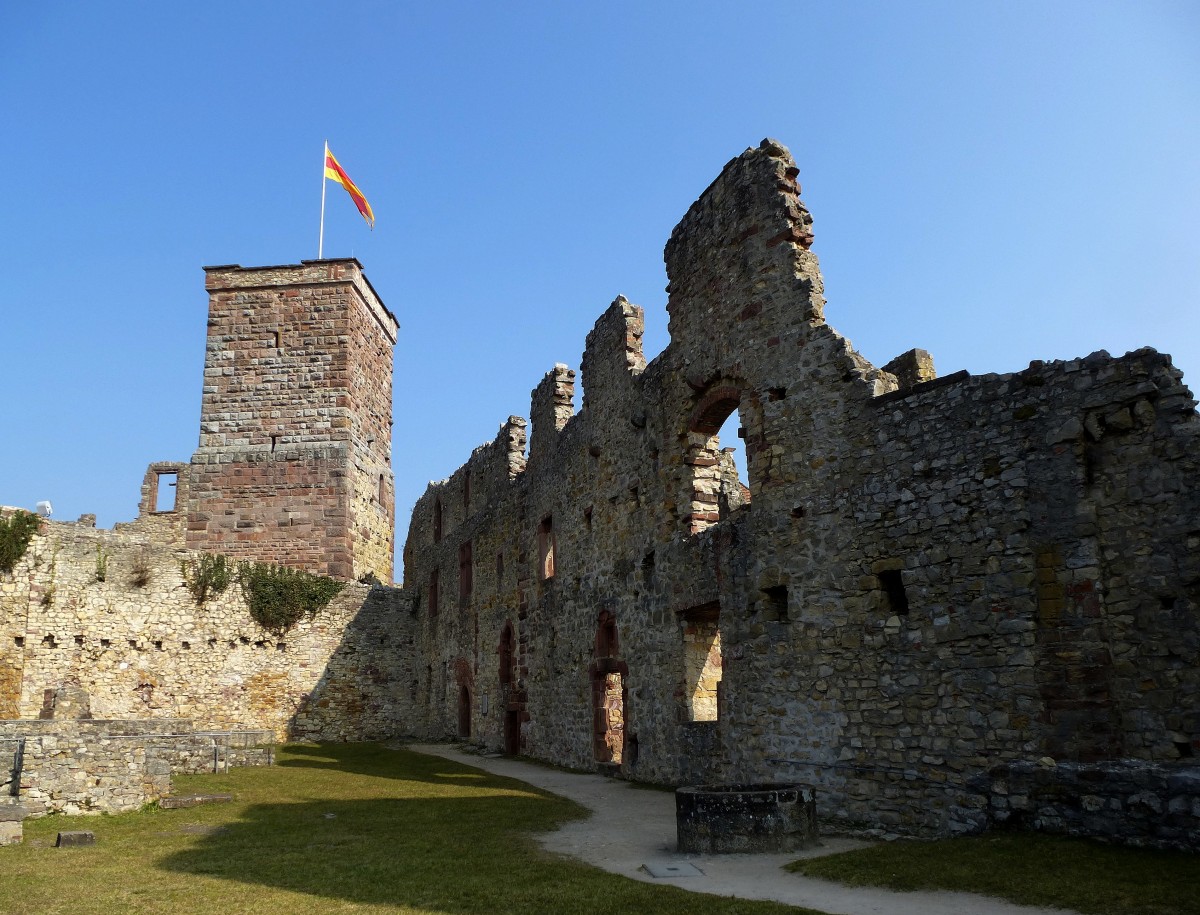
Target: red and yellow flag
x,y
335,172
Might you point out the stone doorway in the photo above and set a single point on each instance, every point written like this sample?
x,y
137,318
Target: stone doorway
x,y
609,694
512,732
464,713
610,736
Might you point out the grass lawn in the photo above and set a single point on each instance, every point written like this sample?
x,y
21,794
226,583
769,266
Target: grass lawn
x,y
1029,869
330,829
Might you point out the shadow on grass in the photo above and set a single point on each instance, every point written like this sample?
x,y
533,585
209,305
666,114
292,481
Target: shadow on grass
x,y
374,826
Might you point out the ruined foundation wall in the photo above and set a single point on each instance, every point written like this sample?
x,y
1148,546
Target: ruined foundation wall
x,y
111,613
75,767
930,576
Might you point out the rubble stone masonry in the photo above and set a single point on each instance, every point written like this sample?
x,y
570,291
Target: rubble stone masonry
x,y
939,601
929,578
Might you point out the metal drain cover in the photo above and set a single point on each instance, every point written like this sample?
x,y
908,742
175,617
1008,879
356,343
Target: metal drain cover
x,y
672,870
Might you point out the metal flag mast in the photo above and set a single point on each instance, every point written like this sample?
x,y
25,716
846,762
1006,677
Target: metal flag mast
x,y
324,165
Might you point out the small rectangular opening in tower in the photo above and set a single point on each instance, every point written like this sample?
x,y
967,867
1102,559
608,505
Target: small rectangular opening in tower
x,y
164,496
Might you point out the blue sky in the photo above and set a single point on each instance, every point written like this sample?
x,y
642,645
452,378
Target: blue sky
x,y
994,182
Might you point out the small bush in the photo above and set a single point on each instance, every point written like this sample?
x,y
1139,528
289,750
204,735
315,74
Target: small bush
x,y
139,574
101,563
207,576
15,533
279,597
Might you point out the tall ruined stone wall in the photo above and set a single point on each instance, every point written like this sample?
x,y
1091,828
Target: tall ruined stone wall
x,y
110,613
929,576
294,460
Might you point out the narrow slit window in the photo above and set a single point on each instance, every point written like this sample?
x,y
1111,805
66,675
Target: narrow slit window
x,y
433,593
546,548
465,574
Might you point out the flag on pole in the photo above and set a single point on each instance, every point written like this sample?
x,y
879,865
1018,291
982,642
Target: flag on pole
x,y
335,172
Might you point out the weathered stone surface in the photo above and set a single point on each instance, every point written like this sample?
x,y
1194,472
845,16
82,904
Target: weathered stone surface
x,y
74,838
926,577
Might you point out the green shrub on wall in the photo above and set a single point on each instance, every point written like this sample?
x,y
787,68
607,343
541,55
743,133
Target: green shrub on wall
x,y
279,597
15,533
207,576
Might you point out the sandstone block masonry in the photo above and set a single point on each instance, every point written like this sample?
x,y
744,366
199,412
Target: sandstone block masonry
x,y
294,460
927,578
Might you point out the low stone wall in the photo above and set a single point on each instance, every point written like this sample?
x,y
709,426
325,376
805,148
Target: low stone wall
x,y
113,766
1130,802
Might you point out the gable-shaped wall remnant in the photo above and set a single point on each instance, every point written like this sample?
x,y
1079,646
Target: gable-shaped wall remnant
x,y
928,577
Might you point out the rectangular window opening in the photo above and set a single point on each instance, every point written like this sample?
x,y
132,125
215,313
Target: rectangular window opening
x,y
164,496
702,660
775,603
891,581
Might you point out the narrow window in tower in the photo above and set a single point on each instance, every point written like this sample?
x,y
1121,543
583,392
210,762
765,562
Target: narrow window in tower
x,y
546,548
465,574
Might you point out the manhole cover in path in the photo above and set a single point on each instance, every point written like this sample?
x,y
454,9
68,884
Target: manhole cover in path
x,y
672,870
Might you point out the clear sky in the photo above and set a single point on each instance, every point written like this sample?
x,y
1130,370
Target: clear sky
x,y
995,182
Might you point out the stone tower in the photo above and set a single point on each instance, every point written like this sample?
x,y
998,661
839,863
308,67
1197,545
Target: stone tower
x,y
294,460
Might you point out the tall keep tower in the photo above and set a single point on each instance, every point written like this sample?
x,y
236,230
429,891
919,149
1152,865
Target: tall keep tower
x,y
294,461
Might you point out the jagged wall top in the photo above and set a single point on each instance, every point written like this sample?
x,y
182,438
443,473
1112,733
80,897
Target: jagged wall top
x,y
747,231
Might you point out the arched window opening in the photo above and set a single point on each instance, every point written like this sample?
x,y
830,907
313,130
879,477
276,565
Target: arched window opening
x,y
714,446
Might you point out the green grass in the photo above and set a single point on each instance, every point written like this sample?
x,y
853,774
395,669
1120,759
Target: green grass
x,y
1029,869
331,829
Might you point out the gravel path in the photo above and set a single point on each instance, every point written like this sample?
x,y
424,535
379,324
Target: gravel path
x,y
632,833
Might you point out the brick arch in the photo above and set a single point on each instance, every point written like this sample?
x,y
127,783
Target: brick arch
x,y
713,406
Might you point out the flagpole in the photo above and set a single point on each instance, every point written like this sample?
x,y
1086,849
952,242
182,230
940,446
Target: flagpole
x,y
321,240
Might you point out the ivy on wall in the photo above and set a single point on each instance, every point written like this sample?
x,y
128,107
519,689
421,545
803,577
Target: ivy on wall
x,y
279,597
15,533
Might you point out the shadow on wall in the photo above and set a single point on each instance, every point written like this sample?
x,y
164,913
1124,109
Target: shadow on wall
x,y
363,691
